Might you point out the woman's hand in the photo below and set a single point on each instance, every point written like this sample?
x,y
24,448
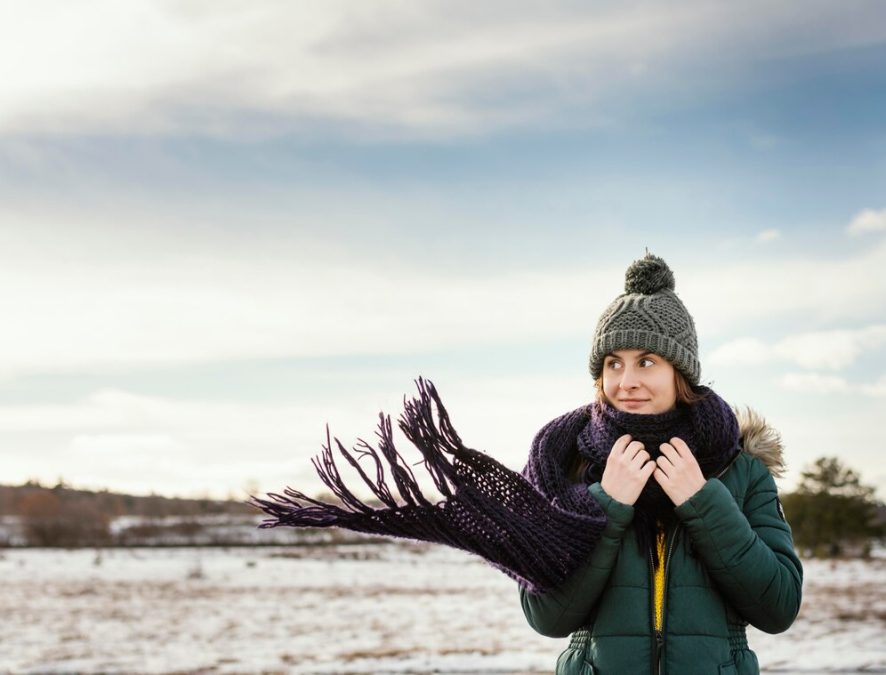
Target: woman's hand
x,y
628,467
678,472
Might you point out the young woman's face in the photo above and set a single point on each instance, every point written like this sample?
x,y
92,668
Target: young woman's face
x,y
638,381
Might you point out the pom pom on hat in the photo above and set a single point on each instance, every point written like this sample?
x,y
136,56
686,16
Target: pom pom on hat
x,y
649,275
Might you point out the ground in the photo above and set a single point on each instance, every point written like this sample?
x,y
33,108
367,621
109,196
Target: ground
x,y
396,608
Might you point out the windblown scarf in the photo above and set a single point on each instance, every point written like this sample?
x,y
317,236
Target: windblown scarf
x,y
537,526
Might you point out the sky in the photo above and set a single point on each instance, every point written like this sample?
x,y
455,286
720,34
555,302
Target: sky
x,y
225,225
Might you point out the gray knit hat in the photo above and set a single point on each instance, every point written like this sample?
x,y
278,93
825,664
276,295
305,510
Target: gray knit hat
x,y
649,315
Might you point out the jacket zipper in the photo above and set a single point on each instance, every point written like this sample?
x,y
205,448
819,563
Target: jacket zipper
x,y
659,632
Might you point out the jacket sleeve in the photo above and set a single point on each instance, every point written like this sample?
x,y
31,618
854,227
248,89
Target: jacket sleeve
x,y
559,612
749,554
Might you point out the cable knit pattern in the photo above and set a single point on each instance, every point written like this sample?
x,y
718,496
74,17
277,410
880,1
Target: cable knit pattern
x,y
650,316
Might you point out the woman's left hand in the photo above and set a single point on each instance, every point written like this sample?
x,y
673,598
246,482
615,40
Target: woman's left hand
x,y
678,472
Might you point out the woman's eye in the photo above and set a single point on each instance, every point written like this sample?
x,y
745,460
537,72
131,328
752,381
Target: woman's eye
x,y
647,362
613,364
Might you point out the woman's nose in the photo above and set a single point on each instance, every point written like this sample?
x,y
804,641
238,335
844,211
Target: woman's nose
x,y
629,379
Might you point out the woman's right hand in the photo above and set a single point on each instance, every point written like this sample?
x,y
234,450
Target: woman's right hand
x,y
628,467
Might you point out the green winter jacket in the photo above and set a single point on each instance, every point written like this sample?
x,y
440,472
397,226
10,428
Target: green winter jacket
x,y
730,561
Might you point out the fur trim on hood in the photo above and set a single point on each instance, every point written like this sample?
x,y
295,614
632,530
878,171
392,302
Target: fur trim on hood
x,y
761,440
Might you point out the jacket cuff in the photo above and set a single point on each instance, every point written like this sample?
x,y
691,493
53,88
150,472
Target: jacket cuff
x,y
618,515
699,504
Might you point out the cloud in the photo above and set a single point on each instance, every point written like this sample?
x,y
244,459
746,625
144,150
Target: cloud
x,y
878,388
147,67
831,350
119,414
814,383
866,221
126,440
741,352
768,235
817,383
72,317
725,297
97,296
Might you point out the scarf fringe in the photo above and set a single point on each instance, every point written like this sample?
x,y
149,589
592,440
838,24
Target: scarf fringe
x,y
486,509
291,508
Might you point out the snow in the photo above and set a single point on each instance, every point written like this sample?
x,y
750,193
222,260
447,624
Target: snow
x,y
359,608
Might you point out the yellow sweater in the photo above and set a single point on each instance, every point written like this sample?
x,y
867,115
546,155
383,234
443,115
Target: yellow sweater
x,y
659,578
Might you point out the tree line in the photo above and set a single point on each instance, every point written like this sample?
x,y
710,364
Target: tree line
x,y
67,517
831,512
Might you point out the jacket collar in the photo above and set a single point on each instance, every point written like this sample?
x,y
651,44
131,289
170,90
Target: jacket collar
x,y
761,440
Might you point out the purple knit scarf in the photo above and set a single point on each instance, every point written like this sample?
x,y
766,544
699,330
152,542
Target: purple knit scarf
x,y
537,526
709,427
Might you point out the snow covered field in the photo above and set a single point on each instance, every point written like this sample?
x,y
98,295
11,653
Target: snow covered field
x,y
395,608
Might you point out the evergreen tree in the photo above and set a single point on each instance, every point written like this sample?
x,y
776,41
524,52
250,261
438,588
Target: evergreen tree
x,y
832,513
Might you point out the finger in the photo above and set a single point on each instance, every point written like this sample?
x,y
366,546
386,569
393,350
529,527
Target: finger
x,y
640,459
660,476
680,445
634,448
665,464
685,452
647,471
668,450
621,444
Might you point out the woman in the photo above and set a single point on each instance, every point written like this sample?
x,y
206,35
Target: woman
x,y
695,544
646,524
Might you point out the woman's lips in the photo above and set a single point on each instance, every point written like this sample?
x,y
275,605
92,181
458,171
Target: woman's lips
x,y
633,402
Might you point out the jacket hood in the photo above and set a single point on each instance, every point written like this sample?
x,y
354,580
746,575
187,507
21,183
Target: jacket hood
x,y
760,440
